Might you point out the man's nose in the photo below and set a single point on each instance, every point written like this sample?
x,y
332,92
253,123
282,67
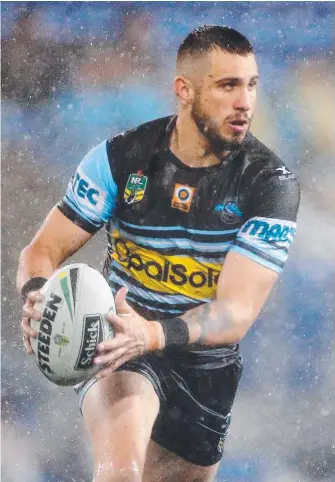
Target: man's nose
x,y
244,100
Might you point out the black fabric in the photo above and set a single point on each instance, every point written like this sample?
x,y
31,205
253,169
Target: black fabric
x,y
175,331
33,284
195,406
250,176
75,218
148,249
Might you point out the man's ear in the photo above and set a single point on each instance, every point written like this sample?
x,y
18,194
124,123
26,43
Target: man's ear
x,y
184,90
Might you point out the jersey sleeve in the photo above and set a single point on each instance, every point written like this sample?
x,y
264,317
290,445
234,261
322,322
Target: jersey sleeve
x,y
91,194
270,212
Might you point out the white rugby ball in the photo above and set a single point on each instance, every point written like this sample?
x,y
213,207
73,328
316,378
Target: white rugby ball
x,y
76,300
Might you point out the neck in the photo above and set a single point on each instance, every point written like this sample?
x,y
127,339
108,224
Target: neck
x,y
190,146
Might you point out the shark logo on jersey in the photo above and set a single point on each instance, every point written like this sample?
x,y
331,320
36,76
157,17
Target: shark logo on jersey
x,y
229,211
135,188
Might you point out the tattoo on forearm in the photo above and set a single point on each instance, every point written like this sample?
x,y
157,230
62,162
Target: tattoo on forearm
x,y
210,320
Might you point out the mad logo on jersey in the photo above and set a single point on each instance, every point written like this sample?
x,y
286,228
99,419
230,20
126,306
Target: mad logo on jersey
x,y
135,188
182,197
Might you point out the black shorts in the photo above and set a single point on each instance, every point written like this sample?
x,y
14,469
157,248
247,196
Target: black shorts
x,y
195,405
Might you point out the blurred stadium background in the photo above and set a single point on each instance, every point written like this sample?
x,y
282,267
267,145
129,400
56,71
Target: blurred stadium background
x,y
74,73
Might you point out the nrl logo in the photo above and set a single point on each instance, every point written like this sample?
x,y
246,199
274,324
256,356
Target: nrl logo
x,y
61,340
135,188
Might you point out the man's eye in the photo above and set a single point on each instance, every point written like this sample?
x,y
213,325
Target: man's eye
x,y
228,85
253,83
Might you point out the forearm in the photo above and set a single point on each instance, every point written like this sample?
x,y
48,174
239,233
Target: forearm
x,y
217,323
35,261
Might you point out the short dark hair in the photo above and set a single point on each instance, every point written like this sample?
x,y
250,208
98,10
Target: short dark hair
x,y
204,39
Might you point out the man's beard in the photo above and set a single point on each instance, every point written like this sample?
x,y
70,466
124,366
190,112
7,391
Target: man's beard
x,y
217,142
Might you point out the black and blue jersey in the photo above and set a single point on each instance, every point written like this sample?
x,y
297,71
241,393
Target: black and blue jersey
x,y
170,226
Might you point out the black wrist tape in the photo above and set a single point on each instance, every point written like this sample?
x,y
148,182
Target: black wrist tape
x,y
175,331
33,284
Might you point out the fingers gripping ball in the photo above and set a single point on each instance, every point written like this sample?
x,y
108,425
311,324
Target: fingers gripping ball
x,y
76,301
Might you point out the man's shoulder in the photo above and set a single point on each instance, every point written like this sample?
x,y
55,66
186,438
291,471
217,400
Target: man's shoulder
x,y
140,138
261,158
260,153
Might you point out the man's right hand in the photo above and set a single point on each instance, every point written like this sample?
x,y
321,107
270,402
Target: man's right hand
x,y
29,313
57,240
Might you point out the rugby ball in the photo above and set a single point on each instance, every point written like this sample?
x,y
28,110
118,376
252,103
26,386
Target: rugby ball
x,y
76,300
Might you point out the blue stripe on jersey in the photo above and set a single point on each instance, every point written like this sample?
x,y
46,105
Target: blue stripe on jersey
x,y
157,243
178,228
149,295
259,259
92,192
260,253
162,310
268,239
272,251
219,260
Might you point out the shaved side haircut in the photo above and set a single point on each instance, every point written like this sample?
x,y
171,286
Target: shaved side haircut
x,y
204,39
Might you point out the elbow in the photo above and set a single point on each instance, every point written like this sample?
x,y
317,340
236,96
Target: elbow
x,y
242,318
34,260
236,334
24,257
37,249
27,252
241,330
245,321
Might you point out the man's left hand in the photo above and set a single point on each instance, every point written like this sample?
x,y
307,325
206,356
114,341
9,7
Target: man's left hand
x,y
133,336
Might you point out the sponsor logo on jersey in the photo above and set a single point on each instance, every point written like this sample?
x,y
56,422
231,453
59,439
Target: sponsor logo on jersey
x,y
229,211
285,173
182,197
84,190
88,197
167,273
270,229
92,335
45,332
135,188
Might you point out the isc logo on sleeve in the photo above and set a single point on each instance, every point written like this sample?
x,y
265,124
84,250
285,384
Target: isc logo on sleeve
x,y
83,189
87,194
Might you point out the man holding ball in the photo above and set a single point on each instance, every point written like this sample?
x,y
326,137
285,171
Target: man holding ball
x,y
199,217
